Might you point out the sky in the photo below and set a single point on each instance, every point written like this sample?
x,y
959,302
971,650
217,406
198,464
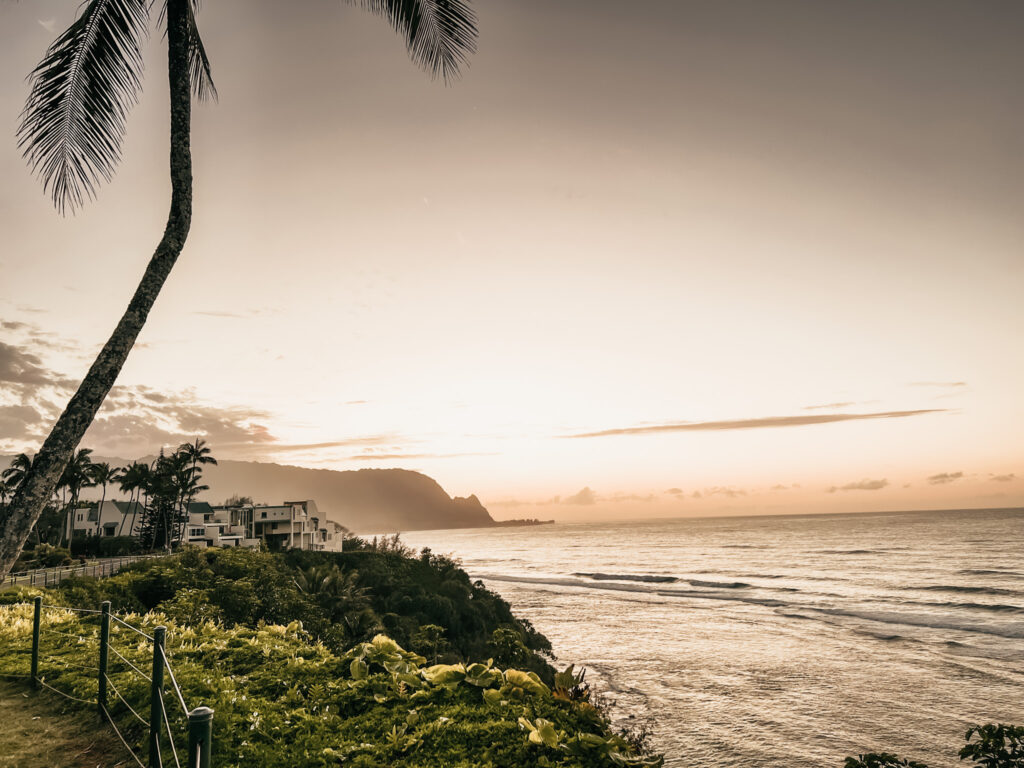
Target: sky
x,y
643,259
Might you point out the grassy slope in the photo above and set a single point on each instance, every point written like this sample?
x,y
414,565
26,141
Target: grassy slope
x,y
282,699
290,673
37,730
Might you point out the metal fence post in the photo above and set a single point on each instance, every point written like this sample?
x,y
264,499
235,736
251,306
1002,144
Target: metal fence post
x,y
156,698
200,737
35,640
101,699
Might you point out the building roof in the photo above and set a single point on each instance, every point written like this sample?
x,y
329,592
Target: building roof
x,y
129,507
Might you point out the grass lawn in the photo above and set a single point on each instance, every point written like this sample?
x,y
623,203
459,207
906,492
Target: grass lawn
x,y
38,730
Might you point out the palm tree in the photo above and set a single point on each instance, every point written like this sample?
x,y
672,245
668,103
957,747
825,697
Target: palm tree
x,y
133,480
71,134
196,454
18,470
102,475
337,591
76,476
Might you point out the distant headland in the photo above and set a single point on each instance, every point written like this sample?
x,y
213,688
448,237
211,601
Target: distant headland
x,y
521,522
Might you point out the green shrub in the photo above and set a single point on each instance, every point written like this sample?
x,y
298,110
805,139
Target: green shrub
x,y
46,556
997,746
104,546
282,698
340,598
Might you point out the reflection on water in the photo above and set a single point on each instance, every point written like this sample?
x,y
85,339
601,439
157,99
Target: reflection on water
x,y
779,641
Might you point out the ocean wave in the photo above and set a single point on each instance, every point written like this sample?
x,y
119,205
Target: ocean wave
x,y
628,577
912,620
647,589
850,551
1014,630
758,575
989,572
967,589
718,584
657,579
996,607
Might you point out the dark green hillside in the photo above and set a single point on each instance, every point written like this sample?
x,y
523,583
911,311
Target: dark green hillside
x,y
425,602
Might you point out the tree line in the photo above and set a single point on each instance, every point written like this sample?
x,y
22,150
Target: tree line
x,y
159,494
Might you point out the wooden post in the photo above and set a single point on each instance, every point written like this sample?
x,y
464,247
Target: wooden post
x,y
35,640
156,703
200,737
101,699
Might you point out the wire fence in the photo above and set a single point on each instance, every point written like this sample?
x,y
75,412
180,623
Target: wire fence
x,y
95,658
48,577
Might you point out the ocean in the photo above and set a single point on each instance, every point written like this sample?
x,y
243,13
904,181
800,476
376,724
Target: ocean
x,y
784,641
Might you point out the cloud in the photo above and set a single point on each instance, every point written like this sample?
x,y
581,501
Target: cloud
x,y
403,456
728,492
28,389
616,498
50,25
585,497
1003,478
945,477
20,421
344,443
767,422
943,384
827,406
861,485
674,491
17,366
136,421
510,503
243,315
216,313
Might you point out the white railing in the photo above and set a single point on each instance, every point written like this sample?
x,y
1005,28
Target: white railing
x,y
46,577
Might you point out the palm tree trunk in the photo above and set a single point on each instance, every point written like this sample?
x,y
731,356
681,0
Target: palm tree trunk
x,y
131,495
58,448
99,509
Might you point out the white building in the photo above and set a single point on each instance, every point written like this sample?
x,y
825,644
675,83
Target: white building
x,y
291,525
114,518
219,526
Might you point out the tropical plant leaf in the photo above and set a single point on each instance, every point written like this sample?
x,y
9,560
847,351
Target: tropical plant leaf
x,y
198,63
440,34
200,73
74,121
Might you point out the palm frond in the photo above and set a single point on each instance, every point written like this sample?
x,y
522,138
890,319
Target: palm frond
x,y
198,63
74,121
199,72
440,34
